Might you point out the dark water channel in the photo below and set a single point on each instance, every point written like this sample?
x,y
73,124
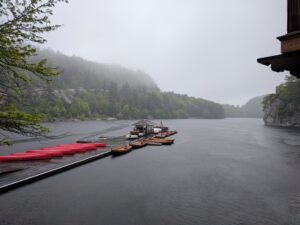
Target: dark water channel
x,y
219,172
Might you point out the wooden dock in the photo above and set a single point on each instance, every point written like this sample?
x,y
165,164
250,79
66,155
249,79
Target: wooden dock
x,y
40,176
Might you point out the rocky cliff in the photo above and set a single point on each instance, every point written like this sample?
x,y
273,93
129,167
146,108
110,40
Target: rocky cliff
x,y
281,112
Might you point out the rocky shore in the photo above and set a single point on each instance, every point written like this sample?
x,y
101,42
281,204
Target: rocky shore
x,y
281,113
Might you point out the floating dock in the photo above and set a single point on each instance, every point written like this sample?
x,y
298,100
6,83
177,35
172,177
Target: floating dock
x,y
40,176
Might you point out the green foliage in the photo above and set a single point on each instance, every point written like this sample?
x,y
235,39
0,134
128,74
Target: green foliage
x,y
252,109
97,104
87,90
290,90
288,95
16,121
22,24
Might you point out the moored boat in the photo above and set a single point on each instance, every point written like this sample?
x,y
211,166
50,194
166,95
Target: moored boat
x,y
55,151
132,135
138,144
121,149
164,141
172,132
153,143
161,135
25,157
166,134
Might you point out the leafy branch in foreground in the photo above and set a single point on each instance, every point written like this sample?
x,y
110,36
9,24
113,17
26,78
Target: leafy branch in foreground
x,y
22,23
13,120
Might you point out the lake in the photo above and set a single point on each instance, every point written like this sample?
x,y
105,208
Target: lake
x,y
218,172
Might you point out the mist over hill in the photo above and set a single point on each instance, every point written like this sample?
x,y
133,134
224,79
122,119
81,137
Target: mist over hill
x,y
252,109
90,90
77,72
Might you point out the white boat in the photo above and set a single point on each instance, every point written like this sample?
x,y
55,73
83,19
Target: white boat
x,y
132,136
141,134
156,130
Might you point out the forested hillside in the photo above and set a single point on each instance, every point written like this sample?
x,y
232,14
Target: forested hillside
x,y
252,109
283,108
80,73
86,89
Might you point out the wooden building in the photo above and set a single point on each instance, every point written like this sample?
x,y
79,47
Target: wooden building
x,y
289,59
144,126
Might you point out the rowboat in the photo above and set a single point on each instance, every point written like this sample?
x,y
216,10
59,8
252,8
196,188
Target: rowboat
x,y
138,144
154,143
172,132
166,134
163,141
121,149
161,135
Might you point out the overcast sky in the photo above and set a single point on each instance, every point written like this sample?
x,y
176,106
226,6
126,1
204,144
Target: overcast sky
x,y
202,48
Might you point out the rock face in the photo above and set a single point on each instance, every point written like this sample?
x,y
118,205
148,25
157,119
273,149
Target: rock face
x,y
281,113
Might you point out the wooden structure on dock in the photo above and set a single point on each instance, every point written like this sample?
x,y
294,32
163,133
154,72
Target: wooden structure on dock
x,y
144,126
289,59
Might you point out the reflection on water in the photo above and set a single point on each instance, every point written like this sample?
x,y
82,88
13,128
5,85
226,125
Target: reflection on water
x,y
218,172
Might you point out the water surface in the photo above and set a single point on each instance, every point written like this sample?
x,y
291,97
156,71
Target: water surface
x,y
219,172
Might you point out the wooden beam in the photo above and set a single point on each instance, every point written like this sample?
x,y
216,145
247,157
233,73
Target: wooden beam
x,y
293,16
285,62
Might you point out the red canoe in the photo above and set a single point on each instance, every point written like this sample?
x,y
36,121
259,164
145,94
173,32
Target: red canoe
x,y
100,145
65,151
78,147
25,156
51,152
56,151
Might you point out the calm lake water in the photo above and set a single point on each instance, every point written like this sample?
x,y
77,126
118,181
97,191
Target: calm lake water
x,y
219,172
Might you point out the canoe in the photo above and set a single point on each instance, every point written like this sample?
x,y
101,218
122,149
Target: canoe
x,y
99,145
63,150
70,146
73,148
55,151
88,146
25,157
121,149
138,144
51,152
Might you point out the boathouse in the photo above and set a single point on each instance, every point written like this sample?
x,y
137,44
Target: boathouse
x,y
144,126
289,59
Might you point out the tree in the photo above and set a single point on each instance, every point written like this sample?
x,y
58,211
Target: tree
x,y
22,23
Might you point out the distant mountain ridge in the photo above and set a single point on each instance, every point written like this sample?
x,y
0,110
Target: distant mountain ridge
x,y
252,109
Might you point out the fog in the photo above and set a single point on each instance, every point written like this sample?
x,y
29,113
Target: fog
x,y
202,48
